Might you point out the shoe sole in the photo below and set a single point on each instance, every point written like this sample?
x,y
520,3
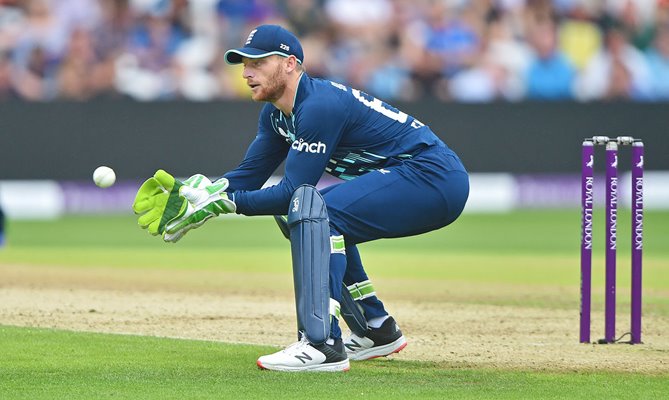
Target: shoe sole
x,y
341,366
379,351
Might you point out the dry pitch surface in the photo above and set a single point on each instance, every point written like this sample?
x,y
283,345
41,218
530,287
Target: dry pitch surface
x,y
443,322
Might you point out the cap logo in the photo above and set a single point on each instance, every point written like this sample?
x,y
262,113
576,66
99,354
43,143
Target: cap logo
x,y
248,40
284,47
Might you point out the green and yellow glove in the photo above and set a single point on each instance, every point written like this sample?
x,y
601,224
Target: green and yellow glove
x,y
202,203
158,201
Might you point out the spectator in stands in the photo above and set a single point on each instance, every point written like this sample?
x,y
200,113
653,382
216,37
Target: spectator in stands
x,y
579,36
618,71
499,66
482,83
12,23
7,91
78,14
390,77
146,70
82,75
451,44
112,33
360,30
37,53
237,16
637,19
550,74
306,17
395,49
658,62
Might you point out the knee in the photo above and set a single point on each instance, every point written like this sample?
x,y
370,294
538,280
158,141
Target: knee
x,y
306,204
337,222
336,215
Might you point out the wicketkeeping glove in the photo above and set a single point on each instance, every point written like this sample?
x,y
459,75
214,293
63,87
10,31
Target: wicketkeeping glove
x,y
202,203
158,201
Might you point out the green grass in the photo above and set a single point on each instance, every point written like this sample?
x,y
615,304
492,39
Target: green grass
x,y
529,247
47,364
523,232
489,255
532,249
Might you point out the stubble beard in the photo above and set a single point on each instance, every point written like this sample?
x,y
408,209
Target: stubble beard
x,y
274,88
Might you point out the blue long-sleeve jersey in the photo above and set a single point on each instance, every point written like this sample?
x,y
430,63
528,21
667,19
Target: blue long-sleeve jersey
x,y
333,128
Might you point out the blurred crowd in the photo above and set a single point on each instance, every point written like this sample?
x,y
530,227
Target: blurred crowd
x,y
450,50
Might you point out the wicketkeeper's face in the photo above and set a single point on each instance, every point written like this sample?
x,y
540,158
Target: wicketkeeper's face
x,y
266,77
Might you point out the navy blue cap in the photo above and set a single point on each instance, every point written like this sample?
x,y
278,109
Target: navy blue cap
x,y
264,41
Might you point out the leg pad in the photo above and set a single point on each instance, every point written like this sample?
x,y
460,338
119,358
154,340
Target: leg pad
x,y
310,250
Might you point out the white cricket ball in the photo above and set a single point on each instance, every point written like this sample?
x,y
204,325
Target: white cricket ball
x,y
104,177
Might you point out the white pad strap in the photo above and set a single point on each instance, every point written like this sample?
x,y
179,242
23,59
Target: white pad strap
x,y
335,308
337,245
361,290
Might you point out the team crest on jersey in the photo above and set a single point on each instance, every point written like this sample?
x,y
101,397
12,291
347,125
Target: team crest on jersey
x,y
284,133
283,126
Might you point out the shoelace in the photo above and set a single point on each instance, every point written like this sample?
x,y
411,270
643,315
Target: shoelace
x,y
297,346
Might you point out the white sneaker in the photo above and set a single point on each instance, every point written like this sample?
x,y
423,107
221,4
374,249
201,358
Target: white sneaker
x,y
377,342
304,356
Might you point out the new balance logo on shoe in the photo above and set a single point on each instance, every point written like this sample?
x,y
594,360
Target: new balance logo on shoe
x,y
304,357
377,342
353,345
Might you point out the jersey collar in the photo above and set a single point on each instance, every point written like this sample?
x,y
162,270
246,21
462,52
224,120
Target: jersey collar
x,y
300,92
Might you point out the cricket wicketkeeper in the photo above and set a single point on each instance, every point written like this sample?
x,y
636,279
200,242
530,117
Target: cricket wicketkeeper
x,y
399,179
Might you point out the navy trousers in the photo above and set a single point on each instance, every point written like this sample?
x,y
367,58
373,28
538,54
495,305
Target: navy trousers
x,y
407,197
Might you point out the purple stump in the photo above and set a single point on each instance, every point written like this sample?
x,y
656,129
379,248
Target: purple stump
x,y
611,229
637,238
587,201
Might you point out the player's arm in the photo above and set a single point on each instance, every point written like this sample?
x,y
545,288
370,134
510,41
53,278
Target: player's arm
x,y
319,130
208,200
171,208
263,156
